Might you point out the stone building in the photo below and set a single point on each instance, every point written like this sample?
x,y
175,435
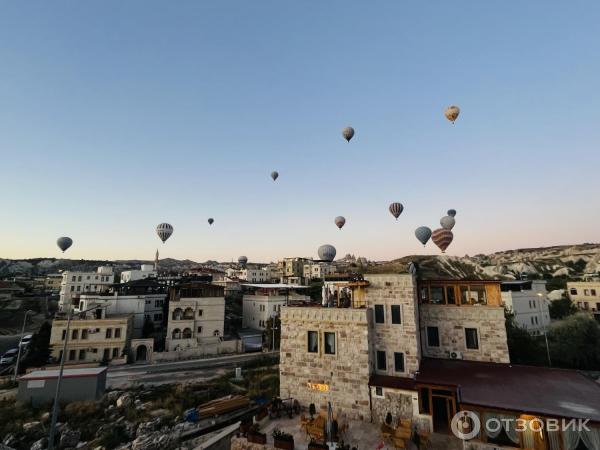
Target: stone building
x,y
421,350
196,316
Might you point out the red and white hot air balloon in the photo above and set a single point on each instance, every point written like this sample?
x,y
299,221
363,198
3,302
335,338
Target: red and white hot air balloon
x,y
442,238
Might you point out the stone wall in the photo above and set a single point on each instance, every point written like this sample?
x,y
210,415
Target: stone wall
x,y
388,290
452,321
397,402
346,373
207,351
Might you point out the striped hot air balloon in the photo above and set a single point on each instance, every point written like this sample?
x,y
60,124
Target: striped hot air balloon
x,y
164,231
396,209
442,238
340,221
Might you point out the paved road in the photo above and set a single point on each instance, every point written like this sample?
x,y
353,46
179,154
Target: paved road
x,y
176,372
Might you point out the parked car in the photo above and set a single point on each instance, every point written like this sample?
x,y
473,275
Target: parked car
x,y
9,357
26,340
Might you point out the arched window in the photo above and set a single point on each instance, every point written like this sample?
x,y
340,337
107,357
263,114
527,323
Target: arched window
x,y
188,314
216,333
177,314
176,333
187,333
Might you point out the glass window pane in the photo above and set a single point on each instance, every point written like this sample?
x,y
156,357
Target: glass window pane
x,y
433,337
477,295
450,295
396,317
437,295
313,342
471,338
464,295
330,343
424,295
399,362
381,360
379,314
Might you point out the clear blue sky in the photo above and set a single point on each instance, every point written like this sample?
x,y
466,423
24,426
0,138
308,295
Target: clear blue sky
x,y
116,116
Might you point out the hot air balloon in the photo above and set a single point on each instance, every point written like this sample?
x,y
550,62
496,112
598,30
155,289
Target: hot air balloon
x,y
447,222
243,260
340,221
423,234
442,238
164,231
211,221
327,252
274,175
348,133
64,243
451,212
452,113
396,209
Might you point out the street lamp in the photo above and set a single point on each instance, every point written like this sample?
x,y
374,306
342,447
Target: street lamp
x,y
544,328
22,334
60,374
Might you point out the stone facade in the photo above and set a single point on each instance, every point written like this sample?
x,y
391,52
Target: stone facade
x,y
399,290
452,321
398,403
346,373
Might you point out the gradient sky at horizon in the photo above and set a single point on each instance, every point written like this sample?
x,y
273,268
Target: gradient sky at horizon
x,y
116,116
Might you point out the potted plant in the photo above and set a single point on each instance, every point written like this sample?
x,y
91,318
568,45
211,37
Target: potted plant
x,y
312,410
255,436
316,445
282,440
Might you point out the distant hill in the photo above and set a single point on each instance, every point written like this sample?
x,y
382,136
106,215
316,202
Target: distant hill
x,y
565,261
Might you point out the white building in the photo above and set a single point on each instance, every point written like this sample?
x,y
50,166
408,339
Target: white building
x,y
76,283
528,301
316,270
585,294
263,301
251,275
146,271
144,300
196,316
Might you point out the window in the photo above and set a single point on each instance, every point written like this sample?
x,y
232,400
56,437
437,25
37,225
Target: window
x,y
73,278
379,314
71,355
531,320
450,295
471,338
313,342
84,333
477,295
593,292
329,343
115,353
398,362
424,401
74,334
378,391
64,334
72,288
424,295
79,278
199,330
433,337
396,316
464,295
381,360
78,288
573,291
81,354
536,320
437,295
117,332
106,354
109,333
586,292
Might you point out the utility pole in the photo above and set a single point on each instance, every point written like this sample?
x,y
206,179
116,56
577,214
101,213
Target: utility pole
x,y
545,328
20,346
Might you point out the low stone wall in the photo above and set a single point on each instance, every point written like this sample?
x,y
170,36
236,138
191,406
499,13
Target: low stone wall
x,y
398,403
222,348
241,443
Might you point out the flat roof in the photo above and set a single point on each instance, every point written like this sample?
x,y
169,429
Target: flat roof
x,y
67,373
526,389
276,286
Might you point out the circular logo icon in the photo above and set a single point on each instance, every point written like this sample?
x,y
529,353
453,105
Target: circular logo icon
x,y
465,425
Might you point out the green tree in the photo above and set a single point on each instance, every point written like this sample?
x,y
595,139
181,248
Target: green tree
x,y
273,323
523,348
39,348
575,343
559,309
148,328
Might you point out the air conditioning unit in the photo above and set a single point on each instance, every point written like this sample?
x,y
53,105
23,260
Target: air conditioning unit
x,y
455,355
